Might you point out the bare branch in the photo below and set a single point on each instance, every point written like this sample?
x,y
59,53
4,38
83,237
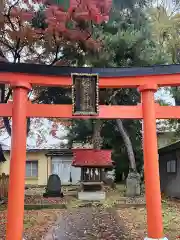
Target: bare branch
x,y
57,51
8,95
16,53
9,12
7,125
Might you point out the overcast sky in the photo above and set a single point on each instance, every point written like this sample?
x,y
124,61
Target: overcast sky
x,y
163,94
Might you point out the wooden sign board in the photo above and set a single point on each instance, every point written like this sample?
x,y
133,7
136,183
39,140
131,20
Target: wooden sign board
x,y
85,94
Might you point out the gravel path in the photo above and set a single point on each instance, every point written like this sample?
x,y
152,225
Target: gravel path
x,y
87,224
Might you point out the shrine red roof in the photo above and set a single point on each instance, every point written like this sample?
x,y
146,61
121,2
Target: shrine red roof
x,y
92,158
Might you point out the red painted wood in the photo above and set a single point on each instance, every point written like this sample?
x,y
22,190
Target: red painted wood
x,y
167,112
151,166
106,112
16,189
113,82
92,157
65,111
6,109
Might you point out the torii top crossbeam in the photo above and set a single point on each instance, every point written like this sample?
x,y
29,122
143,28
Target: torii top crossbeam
x,y
43,75
22,77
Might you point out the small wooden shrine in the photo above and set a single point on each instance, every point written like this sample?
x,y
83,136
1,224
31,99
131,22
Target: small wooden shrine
x,y
92,163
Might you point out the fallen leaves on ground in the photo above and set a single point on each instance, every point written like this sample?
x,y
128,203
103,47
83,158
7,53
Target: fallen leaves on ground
x,y
34,196
34,199
135,221
95,222
36,223
89,224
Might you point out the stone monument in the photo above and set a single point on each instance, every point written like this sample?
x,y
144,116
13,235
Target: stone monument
x,y
133,184
53,187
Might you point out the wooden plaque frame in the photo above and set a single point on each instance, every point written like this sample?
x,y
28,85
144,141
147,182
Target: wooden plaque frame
x,y
91,101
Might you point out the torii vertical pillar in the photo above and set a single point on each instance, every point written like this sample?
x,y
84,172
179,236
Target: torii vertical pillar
x,y
151,165
15,214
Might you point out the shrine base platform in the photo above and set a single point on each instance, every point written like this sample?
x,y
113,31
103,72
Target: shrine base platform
x,y
92,196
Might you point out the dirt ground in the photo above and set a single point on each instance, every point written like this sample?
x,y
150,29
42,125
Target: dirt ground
x,y
36,223
88,223
135,220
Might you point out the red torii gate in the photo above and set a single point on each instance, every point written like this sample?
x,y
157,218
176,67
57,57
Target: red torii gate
x,y
22,77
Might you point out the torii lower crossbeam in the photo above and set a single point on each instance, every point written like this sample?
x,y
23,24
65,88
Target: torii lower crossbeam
x,y
105,112
22,76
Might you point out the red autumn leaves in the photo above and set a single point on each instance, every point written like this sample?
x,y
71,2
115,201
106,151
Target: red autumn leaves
x,y
60,23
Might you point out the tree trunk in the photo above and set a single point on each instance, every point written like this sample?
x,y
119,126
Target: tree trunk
x,y
96,138
133,179
128,144
127,141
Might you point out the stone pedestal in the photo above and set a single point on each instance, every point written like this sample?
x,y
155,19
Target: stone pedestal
x,y
133,185
92,196
91,191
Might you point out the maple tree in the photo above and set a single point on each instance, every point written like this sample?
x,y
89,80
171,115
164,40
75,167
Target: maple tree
x,y
41,26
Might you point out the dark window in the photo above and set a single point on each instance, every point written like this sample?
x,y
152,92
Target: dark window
x,y
31,168
171,166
